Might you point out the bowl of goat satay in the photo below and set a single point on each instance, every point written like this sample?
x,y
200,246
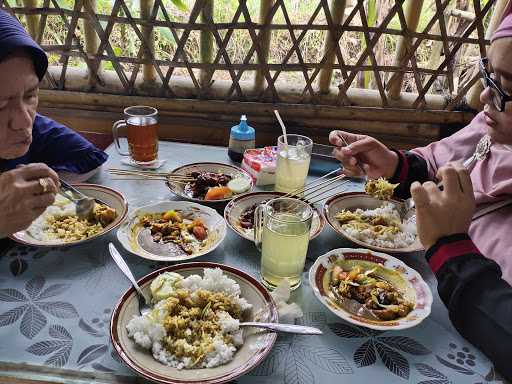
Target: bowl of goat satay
x,y
209,182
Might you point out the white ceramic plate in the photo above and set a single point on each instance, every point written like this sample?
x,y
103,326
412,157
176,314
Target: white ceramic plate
x,y
136,240
111,197
408,281
351,201
231,170
257,343
239,204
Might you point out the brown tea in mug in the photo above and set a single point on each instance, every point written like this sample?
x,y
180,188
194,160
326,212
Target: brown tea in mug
x,y
142,138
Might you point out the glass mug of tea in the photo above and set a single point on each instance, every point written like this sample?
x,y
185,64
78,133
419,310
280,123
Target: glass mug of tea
x,y
281,233
293,158
141,123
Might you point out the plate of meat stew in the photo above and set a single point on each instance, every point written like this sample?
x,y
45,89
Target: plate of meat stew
x,y
370,289
213,182
172,231
239,214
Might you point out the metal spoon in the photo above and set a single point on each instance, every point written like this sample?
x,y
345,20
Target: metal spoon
x,y
144,304
286,328
84,204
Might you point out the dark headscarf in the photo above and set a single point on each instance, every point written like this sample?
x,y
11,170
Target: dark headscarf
x,y
13,37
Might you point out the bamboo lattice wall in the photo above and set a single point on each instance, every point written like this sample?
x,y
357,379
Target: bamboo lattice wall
x,y
335,78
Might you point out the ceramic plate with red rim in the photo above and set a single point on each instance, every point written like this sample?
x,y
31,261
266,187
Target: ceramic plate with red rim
x,y
243,203
184,189
352,201
114,199
257,343
405,279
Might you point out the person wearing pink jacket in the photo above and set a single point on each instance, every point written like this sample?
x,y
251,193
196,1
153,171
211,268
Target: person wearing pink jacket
x,y
466,227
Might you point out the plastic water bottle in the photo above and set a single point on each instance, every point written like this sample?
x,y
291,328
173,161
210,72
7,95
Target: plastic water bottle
x,y
242,137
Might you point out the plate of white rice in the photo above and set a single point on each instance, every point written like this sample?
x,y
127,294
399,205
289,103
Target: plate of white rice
x,y
163,346
403,239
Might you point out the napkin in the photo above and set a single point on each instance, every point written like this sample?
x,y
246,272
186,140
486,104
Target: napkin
x,y
288,312
157,164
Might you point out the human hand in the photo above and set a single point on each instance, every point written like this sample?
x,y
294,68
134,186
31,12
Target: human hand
x,y
447,212
376,159
22,196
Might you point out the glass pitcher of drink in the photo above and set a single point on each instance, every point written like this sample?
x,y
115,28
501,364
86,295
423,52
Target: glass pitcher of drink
x,y
292,162
141,123
281,233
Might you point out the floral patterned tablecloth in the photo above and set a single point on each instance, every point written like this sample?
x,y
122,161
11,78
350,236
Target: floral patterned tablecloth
x,y
55,307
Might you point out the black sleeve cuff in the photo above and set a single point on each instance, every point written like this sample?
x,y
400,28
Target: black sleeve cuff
x,y
411,168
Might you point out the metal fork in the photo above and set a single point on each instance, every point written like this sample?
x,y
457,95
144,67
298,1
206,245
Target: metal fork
x,y
403,207
144,304
359,164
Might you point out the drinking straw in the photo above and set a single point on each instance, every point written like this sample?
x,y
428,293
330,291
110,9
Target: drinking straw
x,y
283,128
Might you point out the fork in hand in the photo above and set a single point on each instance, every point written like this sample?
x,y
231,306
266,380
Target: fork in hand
x,y
407,205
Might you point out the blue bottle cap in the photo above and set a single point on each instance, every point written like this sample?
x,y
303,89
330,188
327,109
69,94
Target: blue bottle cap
x,y
242,131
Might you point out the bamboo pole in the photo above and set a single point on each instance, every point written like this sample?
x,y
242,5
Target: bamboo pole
x,y
288,91
206,44
215,109
148,70
473,96
412,14
32,20
264,37
337,11
92,43
437,46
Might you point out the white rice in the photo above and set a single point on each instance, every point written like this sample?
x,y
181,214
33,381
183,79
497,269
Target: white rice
x,y
148,332
62,207
402,239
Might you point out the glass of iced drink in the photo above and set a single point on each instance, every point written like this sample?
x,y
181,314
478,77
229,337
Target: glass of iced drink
x,y
292,162
281,232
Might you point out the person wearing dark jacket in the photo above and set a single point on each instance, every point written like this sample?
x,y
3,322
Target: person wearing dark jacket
x,y
34,150
466,227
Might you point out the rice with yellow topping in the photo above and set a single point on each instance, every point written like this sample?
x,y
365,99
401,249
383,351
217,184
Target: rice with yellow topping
x,y
194,322
60,223
380,227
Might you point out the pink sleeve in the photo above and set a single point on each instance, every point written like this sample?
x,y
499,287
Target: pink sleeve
x,y
457,147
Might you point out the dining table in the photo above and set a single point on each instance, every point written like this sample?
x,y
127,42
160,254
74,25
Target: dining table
x,y
56,305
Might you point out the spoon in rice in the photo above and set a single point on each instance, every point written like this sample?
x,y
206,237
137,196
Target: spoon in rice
x,y
285,328
84,204
144,304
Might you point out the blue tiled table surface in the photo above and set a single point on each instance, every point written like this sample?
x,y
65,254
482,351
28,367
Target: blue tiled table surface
x,y
55,307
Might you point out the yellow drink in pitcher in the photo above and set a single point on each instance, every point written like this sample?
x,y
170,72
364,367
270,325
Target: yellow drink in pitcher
x,y
284,247
292,169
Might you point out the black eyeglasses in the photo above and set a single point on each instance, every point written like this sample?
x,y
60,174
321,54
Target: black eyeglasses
x,y
499,97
